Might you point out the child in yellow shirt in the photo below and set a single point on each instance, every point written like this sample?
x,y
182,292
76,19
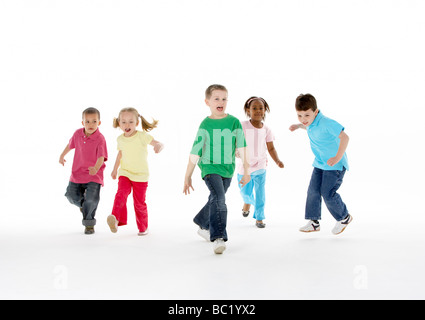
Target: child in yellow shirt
x,y
133,168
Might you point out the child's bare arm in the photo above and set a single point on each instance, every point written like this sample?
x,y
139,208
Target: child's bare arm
x,y
193,160
64,153
95,169
341,150
297,126
243,153
273,154
117,165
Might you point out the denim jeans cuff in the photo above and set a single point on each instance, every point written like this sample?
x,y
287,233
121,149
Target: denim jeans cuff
x,y
89,223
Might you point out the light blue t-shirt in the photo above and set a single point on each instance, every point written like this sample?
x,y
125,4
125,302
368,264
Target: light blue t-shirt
x,y
324,140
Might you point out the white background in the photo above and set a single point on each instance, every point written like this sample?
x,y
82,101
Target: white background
x,y
363,61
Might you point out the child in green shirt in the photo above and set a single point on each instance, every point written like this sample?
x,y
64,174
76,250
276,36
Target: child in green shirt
x,y
218,137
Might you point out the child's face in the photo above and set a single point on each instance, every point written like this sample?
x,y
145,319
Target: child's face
x,y
256,110
307,117
90,123
217,103
128,123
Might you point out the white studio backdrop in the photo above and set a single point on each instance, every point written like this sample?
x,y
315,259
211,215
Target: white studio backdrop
x,y
362,60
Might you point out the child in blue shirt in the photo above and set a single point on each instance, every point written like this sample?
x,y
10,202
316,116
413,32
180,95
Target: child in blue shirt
x,y
328,142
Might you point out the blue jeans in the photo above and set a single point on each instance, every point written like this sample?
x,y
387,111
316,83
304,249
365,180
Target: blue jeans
x,y
86,197
325,184
257,185
213,216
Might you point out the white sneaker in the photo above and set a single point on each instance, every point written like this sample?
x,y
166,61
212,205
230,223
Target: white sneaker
x,y
204,234
112,223
310,227
219,246
341,225
143,233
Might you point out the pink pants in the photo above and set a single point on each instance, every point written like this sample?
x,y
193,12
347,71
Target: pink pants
x,y
139,195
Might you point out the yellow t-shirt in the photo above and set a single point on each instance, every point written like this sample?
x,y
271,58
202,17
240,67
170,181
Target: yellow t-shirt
x,y
134,161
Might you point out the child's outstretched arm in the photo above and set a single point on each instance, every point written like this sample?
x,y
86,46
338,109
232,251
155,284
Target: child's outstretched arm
x,y
193,160
157,146
297,126
117,165
243,153
95,169
341,150
273,154
64,153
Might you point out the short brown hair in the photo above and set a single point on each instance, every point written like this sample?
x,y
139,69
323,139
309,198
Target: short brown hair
x,y
213,87
305,102
91,111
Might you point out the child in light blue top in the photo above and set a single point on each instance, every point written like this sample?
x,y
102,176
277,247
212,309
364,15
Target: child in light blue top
x,y
324,140
328,142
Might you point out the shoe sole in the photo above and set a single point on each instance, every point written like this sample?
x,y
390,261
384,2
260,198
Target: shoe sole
x,y
317,230
111,220
349,221
219,250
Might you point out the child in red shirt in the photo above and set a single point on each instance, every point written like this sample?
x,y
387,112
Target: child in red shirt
x,y
87,168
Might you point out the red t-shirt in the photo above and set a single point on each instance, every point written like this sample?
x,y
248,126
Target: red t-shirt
x,y
87,151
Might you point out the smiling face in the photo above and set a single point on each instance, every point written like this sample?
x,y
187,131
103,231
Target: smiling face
x,y
307,117
217,103
90,123
256,111
128,123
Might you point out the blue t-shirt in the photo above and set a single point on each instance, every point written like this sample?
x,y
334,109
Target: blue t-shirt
x,y
324,140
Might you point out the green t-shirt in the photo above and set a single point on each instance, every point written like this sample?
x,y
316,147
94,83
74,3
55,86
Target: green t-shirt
x,y
216,143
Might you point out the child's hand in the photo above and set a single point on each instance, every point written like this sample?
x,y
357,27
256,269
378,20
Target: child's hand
x,y
294,127
187,185
245,179
237,154
114,174
280,164
62,160
92,171
157,146
333,161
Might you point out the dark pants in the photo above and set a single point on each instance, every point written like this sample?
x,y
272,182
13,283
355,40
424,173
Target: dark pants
x,y
86,197
325,184
213,216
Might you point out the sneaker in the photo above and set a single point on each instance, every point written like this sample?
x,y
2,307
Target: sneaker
x,y
260,224
341,225
204,234
112,223
143,233
310,227
89,230
219,246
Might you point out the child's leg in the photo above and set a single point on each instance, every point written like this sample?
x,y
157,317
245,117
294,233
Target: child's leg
x,y
202,219
140,207
313,209
75,194
217,203
247,191
260,195
91,201
120,204
332,180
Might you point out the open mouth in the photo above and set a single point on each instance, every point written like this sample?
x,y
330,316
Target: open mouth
x,y
127,130
220,109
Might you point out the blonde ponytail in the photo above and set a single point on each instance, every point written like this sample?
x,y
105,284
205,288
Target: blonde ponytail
x,y
147,126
